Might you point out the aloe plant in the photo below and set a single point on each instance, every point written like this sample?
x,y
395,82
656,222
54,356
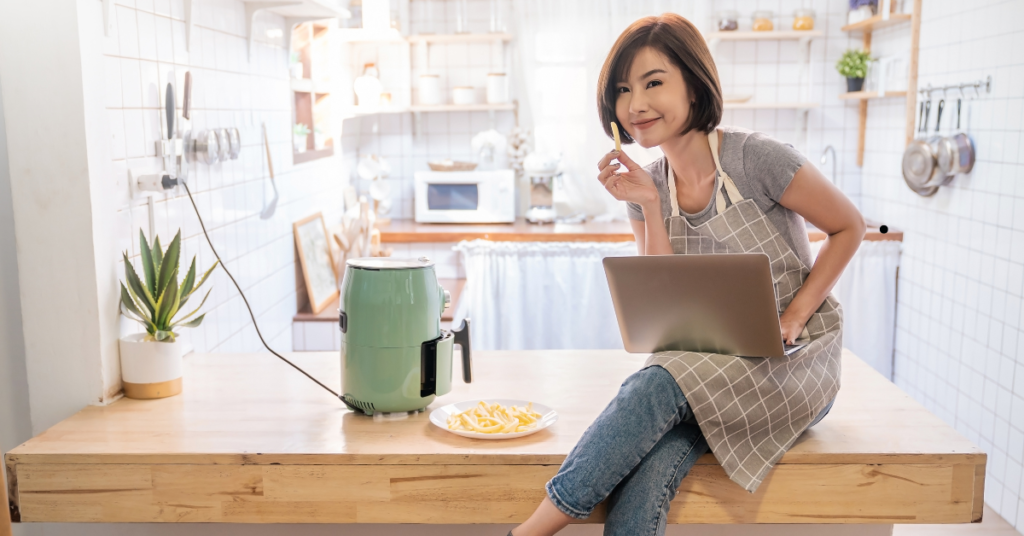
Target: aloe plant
x,y
158,300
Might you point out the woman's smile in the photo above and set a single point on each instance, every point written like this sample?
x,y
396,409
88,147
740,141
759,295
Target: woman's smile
x,y
644,124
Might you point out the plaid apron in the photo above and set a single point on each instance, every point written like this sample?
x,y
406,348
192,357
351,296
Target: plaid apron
x,y
751,410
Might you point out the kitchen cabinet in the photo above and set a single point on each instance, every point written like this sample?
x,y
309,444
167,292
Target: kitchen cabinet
x,y
252,441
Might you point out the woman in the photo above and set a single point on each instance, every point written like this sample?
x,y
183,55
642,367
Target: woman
x,y
717,190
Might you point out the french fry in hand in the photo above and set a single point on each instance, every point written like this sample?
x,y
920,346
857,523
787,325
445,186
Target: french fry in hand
x,y
615,134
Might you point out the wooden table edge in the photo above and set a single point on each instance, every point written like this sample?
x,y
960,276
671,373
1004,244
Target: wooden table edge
x,y
13,458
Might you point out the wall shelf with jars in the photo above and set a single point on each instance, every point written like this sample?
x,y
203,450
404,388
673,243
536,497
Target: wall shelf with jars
x,y
397,90
766,26
885,17
311,62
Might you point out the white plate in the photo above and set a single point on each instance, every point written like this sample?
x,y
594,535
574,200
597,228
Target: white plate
x,y
440,415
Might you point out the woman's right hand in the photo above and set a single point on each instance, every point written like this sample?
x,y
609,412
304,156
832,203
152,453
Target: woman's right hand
x,y
634,185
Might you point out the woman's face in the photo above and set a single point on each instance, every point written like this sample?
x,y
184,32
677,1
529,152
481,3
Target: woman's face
x,y
654,103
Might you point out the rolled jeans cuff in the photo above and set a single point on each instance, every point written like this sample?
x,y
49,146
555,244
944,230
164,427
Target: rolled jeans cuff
x,y
566,509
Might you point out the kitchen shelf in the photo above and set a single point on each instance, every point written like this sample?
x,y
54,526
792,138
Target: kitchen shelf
x,y
867,26
306,85
459,38
310,155
462,107
763,36
360,35
877,22
863,95
771,105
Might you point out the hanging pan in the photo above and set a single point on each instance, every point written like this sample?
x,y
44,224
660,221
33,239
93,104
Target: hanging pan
x,y
918,159
956,152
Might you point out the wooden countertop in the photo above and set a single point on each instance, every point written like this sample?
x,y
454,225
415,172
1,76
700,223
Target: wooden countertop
x,y
408,231
251,440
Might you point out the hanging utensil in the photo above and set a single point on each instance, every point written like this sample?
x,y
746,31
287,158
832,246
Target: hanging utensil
x,y
938,176
956,152
269,209
186,99
918,160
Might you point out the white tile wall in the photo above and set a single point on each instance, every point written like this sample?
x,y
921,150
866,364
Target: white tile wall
x,y
145,52
959,343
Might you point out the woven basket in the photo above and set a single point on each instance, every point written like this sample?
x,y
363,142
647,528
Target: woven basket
x,y
449,165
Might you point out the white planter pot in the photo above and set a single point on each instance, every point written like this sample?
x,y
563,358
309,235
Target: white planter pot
x,y
150,369
300,143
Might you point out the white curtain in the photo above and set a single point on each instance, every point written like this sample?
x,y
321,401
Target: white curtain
x,y
539,295
561,48
867,292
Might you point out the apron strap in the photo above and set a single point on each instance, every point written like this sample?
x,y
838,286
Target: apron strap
x,y
730,187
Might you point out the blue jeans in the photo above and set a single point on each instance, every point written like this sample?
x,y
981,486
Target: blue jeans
x,y
635,455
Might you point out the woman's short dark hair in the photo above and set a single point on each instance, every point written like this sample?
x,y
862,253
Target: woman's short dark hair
x,y
682,43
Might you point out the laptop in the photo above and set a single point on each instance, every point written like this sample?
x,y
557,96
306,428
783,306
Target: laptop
x,y
722,303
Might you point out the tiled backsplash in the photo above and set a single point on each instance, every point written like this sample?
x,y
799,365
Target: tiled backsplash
x,y
147,50
959,342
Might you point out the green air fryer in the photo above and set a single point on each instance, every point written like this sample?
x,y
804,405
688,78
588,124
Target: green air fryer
x,y
394,354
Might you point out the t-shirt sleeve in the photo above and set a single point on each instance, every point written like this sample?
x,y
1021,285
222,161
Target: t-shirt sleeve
x,y
770,164
634,211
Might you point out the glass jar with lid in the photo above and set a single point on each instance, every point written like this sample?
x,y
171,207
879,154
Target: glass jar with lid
x,y
803,19
762,21
728,20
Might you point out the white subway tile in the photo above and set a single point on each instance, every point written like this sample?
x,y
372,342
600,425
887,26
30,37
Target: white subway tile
x,y
134,134
127,31
117,143
147,35
131,83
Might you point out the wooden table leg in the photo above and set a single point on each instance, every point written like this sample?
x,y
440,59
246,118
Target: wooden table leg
x,y
5,515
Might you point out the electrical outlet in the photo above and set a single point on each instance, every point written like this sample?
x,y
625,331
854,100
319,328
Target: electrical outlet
x,y
144,182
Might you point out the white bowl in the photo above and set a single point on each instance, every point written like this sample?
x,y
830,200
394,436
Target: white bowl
x,y
440,415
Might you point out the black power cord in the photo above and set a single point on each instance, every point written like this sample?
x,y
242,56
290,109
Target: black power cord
x,y
251,315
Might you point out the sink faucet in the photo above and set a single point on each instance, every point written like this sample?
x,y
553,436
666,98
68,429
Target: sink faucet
x,y
824,158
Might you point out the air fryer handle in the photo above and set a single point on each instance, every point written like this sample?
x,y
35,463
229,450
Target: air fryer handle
x,y
462,339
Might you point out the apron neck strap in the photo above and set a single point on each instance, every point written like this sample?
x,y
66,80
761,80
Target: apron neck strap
x,y
730,186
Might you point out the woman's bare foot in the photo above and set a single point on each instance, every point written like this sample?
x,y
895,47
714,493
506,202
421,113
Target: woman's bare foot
x,y
545,521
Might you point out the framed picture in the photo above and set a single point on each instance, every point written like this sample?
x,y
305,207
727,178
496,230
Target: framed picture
x,y
317,263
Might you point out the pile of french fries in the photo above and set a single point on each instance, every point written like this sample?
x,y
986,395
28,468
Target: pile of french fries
x,y
495,419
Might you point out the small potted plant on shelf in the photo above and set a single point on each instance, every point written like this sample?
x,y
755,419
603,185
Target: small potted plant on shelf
x,y
151,361
299,133
854,66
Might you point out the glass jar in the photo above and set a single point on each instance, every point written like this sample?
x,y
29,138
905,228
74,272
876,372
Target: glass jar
x,y
728,20
803,19
762,21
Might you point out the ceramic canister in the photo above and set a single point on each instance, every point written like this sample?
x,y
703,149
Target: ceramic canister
x,y
430,89
497,88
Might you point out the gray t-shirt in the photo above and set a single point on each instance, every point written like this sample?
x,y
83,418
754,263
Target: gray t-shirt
x,y
762,168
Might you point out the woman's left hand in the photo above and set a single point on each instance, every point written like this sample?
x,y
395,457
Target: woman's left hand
x,y
791,329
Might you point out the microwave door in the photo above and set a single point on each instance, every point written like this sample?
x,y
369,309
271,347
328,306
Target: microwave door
x,y
442,196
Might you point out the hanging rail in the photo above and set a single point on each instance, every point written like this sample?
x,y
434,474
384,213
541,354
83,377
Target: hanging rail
x,y
976,86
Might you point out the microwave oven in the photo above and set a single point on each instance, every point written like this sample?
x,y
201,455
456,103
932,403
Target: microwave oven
x,y
465,196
